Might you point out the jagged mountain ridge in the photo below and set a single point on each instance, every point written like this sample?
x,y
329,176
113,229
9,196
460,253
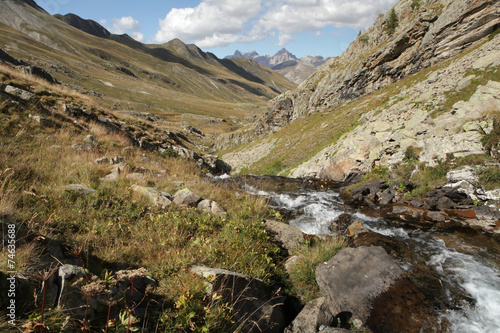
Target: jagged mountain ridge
x,y
354,114
175,80
285,63
88,26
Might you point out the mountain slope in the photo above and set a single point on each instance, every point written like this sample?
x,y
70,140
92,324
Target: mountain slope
x,y
177,81
350,117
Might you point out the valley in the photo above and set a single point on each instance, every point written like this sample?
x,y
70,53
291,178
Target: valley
x,y
158,188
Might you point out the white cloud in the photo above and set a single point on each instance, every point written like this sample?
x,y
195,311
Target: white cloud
x,y
221,22
127,25
211,20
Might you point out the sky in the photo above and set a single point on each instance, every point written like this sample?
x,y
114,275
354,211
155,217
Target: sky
x,y
303,27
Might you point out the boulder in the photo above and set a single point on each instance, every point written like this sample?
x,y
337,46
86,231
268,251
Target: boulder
x,y
255,309
22,94
186,197
313,316
467,174
79,189
156,197
211,207
364,285
289,237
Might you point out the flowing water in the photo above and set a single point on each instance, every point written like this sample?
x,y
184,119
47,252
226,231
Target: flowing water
x,y
468,273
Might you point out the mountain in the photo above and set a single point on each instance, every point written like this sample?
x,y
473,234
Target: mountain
x,y
429,85
88,26
180,82
285,63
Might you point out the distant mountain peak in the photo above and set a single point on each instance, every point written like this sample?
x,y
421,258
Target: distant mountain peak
x,y
88,26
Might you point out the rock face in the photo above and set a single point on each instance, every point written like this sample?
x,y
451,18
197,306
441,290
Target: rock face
x,y
384,134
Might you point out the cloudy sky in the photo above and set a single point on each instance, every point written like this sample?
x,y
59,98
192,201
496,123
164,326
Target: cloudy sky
x,y
304,27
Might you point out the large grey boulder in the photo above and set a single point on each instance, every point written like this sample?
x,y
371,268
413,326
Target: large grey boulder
x,y
186,197
365,287
286,235
254,309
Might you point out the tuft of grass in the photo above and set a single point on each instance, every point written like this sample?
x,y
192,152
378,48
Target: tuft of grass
x,y
490,177
303,272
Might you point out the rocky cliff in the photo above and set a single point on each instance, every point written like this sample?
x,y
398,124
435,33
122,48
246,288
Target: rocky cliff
x,y
428,32
431,85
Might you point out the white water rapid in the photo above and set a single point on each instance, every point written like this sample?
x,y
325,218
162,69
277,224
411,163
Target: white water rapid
x,y
474,275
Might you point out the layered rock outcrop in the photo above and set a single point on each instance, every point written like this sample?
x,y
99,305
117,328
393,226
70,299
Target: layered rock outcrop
x,y
427,34
417,117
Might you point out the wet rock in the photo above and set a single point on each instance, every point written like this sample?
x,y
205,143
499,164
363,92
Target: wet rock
x,y
156,197
355,228
313,316
365,284
79,189
186,197
289,237
256,310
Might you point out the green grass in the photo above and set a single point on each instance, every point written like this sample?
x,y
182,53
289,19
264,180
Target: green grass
x,y
303,272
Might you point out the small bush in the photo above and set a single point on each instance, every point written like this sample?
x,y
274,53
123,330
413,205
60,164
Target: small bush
x,y
412,154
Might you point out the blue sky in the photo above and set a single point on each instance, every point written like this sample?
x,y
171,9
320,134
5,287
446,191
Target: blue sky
x,y
303,27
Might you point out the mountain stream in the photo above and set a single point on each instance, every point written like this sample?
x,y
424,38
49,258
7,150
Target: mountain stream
x,y
468,299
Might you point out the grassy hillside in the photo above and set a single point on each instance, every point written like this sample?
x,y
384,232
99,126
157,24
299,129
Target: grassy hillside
x,y
115,228
173,80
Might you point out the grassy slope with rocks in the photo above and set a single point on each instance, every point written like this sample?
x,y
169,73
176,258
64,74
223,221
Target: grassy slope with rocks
x,y
117,228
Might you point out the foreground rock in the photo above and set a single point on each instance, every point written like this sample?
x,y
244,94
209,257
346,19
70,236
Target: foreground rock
x,y
313,316
287,236
256,310
79,189
364,286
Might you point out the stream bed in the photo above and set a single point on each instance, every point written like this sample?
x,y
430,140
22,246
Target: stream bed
x,y
460,270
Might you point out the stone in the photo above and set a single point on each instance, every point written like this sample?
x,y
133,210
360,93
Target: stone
x,y
22,94
45,122
89,139
287,236
102,160
186,197
116,160
137,177
156,197
79,189
256,310
355,278
466,174
356,228
211,207
311,318
115,172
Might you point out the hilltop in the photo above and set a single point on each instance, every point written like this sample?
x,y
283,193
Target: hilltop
x,y
285,63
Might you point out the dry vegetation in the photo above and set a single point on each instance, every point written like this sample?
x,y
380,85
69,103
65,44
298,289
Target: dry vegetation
x,y
117,228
